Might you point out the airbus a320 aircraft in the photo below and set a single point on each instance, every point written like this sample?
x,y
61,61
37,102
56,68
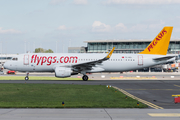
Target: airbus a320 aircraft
x,y
67,64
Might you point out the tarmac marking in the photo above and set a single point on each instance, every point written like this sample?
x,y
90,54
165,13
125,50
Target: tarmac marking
x,y
164,114
177,85
140,100
133,78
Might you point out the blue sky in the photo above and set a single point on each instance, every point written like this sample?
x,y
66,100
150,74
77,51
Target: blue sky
x,y
29,24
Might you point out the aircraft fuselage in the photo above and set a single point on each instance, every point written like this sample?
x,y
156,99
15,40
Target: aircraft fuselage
x,y
47,62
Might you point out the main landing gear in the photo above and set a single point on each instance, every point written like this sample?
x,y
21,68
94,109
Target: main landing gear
x,y
27,78
85,77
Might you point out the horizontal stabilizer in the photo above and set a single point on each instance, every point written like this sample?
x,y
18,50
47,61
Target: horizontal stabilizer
x,y
163,58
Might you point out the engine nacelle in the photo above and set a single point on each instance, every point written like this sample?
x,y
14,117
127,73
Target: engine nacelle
x,y
63,72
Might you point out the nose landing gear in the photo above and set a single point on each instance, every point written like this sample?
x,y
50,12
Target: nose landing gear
x,y
27,78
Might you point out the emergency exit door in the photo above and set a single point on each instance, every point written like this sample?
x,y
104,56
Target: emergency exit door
x,y
26,59
140,60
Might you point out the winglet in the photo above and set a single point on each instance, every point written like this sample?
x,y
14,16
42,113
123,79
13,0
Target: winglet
x,y
110,53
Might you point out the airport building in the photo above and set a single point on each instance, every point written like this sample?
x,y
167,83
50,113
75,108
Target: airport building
x,y
127,46
77,49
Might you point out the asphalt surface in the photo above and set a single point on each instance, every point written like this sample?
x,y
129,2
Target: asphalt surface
x,y
115,76
89,114
158,92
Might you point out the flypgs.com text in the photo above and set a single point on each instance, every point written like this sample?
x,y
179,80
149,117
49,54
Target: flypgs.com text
x,y
52,59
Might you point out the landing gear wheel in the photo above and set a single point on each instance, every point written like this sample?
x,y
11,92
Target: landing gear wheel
x,y
85,77
26,78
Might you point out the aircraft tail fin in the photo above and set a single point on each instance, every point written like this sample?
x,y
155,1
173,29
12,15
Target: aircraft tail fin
x,y
160,44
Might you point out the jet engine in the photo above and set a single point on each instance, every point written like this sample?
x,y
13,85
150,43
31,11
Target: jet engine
x,y
63,72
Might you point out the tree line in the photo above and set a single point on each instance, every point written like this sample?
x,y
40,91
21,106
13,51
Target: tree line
x,y
41,50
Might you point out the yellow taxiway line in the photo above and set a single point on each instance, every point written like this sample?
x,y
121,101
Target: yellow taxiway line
x,y
177,85
164,114
140,100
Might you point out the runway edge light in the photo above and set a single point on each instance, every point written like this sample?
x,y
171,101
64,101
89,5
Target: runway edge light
x,y
137,103
63,103
108,86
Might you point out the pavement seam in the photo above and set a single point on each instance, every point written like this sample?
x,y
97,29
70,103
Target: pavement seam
x,y
108,114
8,112
140,100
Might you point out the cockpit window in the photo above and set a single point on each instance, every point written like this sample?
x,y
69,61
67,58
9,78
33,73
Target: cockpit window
x,y
15,59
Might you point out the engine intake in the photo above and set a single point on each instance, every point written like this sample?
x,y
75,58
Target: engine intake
x,y
63,72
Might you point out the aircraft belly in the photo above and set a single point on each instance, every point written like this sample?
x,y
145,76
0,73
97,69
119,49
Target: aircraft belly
x,y
119,66
34,68
43,69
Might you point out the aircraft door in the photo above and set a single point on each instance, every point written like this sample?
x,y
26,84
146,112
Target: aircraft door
x,y
16,67
140,60
26,59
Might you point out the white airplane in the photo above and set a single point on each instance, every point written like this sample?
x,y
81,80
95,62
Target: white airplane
x,y
67,64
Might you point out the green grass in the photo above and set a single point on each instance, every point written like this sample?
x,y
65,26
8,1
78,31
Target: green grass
x,y
52,96
36,78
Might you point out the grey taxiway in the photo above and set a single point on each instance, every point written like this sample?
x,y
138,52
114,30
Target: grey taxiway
x,y
158,92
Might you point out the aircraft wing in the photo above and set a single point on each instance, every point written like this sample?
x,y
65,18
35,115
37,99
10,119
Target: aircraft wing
x,y
89,65
163,58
